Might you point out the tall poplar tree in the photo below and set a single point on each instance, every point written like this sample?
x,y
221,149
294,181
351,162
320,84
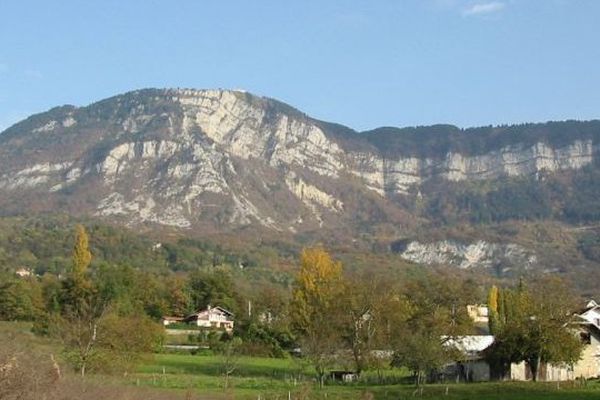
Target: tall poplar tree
x,y
82,257
493,318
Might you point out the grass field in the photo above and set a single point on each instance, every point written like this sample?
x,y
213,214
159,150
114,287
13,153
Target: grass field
x,y
266,378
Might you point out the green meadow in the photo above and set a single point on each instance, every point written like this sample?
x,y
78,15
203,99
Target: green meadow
x,y
267,378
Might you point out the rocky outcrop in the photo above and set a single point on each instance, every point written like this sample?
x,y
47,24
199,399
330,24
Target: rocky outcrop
x,y
479,254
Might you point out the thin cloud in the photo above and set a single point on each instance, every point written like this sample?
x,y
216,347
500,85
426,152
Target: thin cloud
x,y
483,8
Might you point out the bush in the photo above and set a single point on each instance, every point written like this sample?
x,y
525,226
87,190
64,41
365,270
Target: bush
x,y
24,375
125,340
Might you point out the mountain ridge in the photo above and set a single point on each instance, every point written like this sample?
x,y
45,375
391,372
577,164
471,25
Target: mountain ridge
x,y
386,159
438,129
210,161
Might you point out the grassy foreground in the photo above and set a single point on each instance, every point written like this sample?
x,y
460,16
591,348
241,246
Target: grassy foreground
x,y
266,378
180,376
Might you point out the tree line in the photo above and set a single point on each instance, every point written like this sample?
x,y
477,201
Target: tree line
x,y
107,316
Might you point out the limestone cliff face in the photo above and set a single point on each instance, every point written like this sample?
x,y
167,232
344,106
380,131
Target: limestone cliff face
x,y
220,158
478,254
399,174
251,130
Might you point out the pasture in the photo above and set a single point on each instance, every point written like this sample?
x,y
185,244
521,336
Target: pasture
x,y
268,378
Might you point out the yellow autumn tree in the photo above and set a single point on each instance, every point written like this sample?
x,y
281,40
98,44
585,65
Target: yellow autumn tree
x,y
314,316
81,254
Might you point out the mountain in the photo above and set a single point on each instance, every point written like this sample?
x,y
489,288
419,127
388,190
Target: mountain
x,y
183,158
219,161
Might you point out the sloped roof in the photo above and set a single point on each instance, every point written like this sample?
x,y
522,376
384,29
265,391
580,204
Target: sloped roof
x,y
209,308
471,344
583,322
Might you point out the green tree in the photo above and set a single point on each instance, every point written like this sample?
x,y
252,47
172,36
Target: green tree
x,y
78,329
212,288
422,352
125,340
535,327
437,313
20,299
367,309
549,305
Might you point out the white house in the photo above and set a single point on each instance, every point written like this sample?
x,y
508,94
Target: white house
x,y
212,317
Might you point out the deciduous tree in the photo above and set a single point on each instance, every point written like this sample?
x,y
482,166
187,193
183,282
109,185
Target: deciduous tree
x,y
437,313
314,307
534,327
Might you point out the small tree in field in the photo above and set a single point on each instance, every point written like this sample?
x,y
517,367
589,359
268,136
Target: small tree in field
x,y
124,341
229,356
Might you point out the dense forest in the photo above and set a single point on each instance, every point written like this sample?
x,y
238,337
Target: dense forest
x,y
571,197
43,243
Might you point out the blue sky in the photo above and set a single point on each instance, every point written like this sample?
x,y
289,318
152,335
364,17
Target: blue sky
x,y
361,63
